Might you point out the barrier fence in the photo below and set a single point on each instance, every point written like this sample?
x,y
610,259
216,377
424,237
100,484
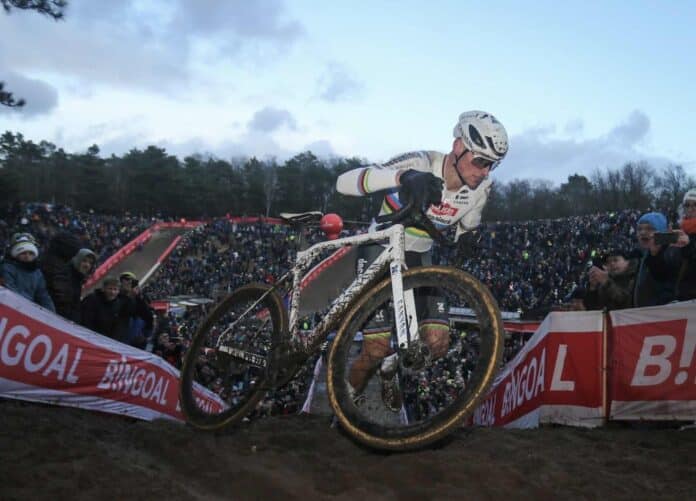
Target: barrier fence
x,y
131,246
579,368
584,368
45,358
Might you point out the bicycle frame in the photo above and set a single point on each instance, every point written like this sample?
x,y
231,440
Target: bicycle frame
x,y
393,256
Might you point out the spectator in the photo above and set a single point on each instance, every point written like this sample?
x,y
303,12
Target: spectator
x,y
20,271
60,277
105,312
141,322
659,265
575,301
612,284
686,286
169,348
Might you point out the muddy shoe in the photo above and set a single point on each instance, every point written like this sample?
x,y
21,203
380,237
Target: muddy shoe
x,y
358,399
391,393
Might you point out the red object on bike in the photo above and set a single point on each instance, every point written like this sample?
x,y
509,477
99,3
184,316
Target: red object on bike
x,y
331,225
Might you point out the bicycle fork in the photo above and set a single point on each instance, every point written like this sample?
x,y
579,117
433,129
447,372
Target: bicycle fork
x,y
411,352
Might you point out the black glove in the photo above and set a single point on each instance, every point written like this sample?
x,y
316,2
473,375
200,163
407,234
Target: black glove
x,y
420,188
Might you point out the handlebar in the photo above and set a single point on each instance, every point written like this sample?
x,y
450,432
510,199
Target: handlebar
x,y
409,215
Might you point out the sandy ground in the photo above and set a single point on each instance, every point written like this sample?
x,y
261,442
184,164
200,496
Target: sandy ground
x,y
59,453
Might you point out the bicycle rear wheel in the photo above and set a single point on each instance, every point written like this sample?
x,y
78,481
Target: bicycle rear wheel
x,y
439,387
231,357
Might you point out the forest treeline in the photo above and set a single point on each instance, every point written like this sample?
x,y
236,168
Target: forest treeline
x,y
151,181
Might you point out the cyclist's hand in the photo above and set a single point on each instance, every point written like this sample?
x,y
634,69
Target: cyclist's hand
x,y
422,189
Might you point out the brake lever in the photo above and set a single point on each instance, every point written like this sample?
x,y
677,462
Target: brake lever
x,y
418,218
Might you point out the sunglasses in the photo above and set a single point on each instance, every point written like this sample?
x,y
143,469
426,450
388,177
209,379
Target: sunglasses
x,y
484,163
689,205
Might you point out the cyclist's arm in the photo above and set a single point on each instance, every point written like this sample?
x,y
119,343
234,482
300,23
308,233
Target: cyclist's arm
x,y
373,178
472,219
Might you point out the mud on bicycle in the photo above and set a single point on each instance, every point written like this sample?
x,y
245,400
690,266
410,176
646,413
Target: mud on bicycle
x,y
249,345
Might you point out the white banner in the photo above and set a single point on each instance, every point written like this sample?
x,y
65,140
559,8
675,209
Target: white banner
x,y
652,363
45,358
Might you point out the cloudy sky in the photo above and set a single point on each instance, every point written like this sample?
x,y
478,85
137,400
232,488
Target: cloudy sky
x,y
579,85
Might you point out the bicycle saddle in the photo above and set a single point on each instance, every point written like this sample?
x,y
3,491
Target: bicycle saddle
x,y
301,217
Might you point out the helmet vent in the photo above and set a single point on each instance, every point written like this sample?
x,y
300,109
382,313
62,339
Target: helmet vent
x,y
492,145
476,137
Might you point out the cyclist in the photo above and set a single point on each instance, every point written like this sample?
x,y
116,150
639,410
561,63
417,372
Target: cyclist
x,y
452,189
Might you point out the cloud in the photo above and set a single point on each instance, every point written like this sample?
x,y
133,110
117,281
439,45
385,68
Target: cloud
x,y
632,131
252,143
145,45
574,127
40,97
321,148
269,119
336,84
257,20
542,154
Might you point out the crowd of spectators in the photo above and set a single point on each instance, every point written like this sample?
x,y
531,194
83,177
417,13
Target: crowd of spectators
x,y
219,257
51,250
593,261
104,234
531,267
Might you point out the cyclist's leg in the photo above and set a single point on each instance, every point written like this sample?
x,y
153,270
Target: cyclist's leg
x,y
375,346
433,327
377,333
433,322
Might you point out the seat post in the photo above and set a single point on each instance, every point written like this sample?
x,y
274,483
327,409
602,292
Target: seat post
x,y
301,229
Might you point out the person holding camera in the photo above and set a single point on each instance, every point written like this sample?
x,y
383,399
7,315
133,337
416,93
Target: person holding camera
x,y
140,322
659,265
686,280
611,284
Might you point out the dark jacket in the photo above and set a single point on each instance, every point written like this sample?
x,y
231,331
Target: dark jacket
x,y
657,277
686,288
616,293
27,280
63,281
140,321
109,318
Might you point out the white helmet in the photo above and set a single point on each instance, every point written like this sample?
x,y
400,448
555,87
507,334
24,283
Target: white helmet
x,y
482,134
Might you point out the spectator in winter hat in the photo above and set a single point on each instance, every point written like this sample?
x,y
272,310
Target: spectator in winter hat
x,y
21,274
686,280
659,265
66,282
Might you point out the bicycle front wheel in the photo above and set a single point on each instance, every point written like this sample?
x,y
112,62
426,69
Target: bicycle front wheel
x,y
402,398
227,369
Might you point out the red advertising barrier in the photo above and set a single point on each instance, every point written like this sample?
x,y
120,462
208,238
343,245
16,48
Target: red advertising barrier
x,y
254,220
177,224
45,358
521,326
556,377
653,363
170,248
131,246
117,257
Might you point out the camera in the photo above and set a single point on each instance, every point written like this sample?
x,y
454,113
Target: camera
x,y
665,237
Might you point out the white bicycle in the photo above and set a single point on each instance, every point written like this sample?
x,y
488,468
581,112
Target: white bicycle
x,y
248,346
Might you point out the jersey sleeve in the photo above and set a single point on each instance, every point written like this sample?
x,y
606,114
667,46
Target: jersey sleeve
x,y
373,178
472,219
